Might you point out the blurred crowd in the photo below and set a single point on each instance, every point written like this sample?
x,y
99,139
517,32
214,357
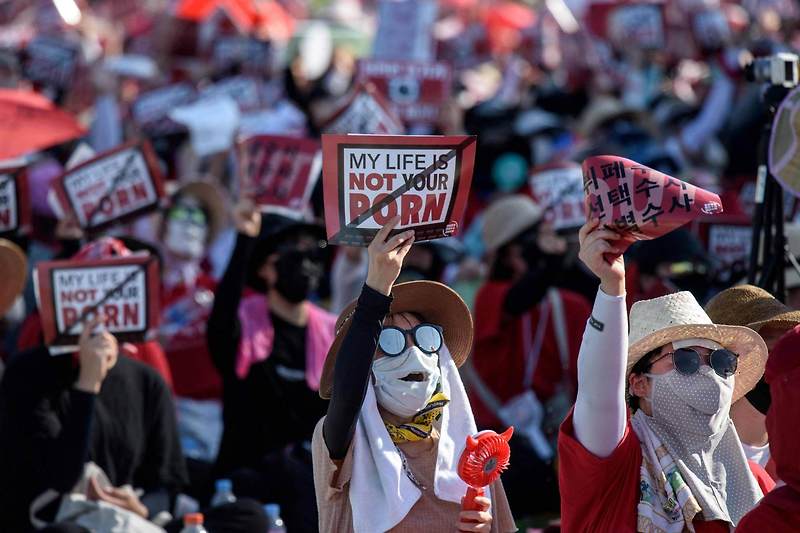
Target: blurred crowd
x,y
228,389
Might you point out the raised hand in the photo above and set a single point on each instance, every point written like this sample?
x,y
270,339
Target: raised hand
x,y
601,252
247,218
386,257
97,353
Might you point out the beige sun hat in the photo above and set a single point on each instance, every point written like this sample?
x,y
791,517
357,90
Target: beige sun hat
x,y
506,218
674,317
435,302
14,271
751,306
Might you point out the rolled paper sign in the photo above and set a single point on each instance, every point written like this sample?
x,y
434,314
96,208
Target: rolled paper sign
x,y
639,202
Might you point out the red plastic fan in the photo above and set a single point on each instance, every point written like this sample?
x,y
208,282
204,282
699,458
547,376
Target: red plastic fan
x,y
482,461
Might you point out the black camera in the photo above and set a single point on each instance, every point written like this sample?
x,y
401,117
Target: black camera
x,y
781,69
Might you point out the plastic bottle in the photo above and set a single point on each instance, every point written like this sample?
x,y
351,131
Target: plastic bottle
x,y
193,523
224,493
274,520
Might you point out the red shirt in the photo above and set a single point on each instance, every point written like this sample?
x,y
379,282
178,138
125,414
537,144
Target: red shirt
x,y
601,494
184,314
499,356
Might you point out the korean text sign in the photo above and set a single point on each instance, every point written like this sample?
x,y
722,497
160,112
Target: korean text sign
x,y
369,179
118,184
14,202
640,202
280,172
123,289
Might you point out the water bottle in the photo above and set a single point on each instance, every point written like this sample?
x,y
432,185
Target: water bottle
x,y
224,493
274,520
193,523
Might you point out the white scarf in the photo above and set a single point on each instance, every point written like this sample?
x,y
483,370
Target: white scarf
x,y
378,480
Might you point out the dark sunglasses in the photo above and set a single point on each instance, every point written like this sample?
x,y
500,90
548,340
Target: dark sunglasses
x,y
687,361
427,337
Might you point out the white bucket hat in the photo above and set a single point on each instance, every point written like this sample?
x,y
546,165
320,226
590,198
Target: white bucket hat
x,y
675,317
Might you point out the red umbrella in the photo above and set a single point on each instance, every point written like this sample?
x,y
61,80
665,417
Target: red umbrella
x,y
265,17
29,122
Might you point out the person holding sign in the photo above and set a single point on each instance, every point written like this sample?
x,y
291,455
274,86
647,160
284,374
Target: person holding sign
x,y
676,462
385,454
269,346
57,412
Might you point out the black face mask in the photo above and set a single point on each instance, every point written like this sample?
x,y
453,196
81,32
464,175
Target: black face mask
x,y
298,275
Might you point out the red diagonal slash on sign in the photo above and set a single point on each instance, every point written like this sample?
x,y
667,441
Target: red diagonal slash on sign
x,y
343,229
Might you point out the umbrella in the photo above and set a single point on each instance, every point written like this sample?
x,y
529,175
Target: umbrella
x,y
249,16
29,122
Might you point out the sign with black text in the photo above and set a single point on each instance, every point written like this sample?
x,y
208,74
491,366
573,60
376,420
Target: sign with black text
x,y
280,172
115,185
369,179
14,202
365,111
123,289
150,111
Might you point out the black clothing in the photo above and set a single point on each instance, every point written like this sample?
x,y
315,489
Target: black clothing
x,y
51,429
351,373
529,290
272,407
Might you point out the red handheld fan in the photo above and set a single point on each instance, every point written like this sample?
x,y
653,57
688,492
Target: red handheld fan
x,y
482,461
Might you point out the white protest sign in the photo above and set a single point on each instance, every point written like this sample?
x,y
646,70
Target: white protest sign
x,y
560,192
405,30
116,184
638,24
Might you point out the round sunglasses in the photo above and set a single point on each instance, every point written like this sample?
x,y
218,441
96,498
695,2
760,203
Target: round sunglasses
x,y
427,337
687,361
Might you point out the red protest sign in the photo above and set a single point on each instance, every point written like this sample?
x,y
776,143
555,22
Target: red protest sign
x,y
559,190
150,111
280,172
115,185
368,179
124,289
416,91
365,111
15,213
640,202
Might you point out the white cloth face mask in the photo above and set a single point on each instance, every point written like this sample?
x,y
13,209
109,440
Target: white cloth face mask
x,y
186,238
404,397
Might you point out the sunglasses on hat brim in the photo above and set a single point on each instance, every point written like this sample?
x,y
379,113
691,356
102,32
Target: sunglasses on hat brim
x,y
687,361
393,341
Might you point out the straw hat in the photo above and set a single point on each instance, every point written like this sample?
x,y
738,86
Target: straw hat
x,y
14,271
678,316
506,218
751,306
604,109
434,302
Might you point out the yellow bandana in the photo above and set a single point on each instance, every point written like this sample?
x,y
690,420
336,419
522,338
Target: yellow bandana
x,y
421,425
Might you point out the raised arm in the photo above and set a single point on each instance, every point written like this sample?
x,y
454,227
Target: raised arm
x,y
600,414
353,366
222,331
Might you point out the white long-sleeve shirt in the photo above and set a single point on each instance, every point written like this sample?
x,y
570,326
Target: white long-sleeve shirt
x,y
600,414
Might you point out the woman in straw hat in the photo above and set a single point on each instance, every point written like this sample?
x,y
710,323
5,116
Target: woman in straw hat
x,y
385,455
676,463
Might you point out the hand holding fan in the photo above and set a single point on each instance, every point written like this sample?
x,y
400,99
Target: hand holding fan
x,y
482,461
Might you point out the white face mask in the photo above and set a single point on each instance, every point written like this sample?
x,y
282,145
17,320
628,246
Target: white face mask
x,y
185,238
405,398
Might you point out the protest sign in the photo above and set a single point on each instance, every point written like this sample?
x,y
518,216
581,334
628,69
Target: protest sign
x,y
405,30
280,172
123,289
637,23
784,143
729,243
368,179
559,190
51,61
115,185
151,109
416,91
365,111
14,201
253,55
639,202
247,92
